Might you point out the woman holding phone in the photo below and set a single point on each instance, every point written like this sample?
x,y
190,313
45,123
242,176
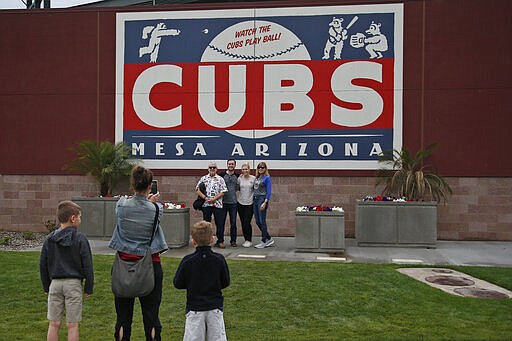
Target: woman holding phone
x,y
135,226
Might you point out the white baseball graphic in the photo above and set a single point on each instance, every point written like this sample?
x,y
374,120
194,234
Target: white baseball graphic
x,y
255,40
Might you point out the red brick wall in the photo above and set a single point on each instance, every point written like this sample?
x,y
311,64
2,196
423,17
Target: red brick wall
x,y
479,209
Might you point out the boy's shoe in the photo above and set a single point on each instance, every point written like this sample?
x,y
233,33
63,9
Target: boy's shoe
x,y
260,245
233,244
247,244
269,242
219,245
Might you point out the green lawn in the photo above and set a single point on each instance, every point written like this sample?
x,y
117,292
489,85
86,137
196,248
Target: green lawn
x,y
278,301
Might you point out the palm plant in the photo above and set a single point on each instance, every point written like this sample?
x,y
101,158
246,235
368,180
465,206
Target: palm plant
x,y
108,163
407,176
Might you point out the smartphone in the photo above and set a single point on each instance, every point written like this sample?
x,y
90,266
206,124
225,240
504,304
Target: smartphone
x,y
154,187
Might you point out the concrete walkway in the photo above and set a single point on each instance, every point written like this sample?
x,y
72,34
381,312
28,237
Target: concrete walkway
x,y
479,253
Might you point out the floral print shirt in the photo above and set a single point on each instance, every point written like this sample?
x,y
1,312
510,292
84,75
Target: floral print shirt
x,y
214,186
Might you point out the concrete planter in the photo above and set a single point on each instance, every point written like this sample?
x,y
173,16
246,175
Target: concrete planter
x,y
176,226
98,216
99,220
381,223
320,231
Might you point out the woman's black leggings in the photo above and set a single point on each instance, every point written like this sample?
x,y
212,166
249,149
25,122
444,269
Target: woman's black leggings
x,y
150,306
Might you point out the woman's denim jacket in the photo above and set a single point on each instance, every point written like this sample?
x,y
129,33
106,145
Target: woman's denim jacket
x,y
135,217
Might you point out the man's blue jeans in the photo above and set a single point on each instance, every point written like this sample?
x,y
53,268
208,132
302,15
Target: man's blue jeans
x,y
231,209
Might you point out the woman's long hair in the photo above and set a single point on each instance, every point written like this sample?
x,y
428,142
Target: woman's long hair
x,y
262,164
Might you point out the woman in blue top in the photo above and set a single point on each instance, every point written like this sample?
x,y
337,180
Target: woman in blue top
x,y
262,192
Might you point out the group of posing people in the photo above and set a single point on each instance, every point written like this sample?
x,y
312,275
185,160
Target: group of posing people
x,y
66,261
228,193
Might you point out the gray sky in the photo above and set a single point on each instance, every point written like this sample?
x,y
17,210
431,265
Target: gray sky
x,y
18,4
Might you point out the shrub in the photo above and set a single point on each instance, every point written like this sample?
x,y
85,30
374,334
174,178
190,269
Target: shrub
x,y
28,235
51,225
407,176
108,163
5,240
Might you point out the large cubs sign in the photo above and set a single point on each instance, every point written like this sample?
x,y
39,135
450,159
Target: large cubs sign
x,y
297,87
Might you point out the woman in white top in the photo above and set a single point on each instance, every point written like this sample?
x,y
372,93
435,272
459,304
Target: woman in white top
x,y
244,198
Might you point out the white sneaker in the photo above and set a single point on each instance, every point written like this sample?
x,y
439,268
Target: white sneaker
x,y
260,245
269,242
247,244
